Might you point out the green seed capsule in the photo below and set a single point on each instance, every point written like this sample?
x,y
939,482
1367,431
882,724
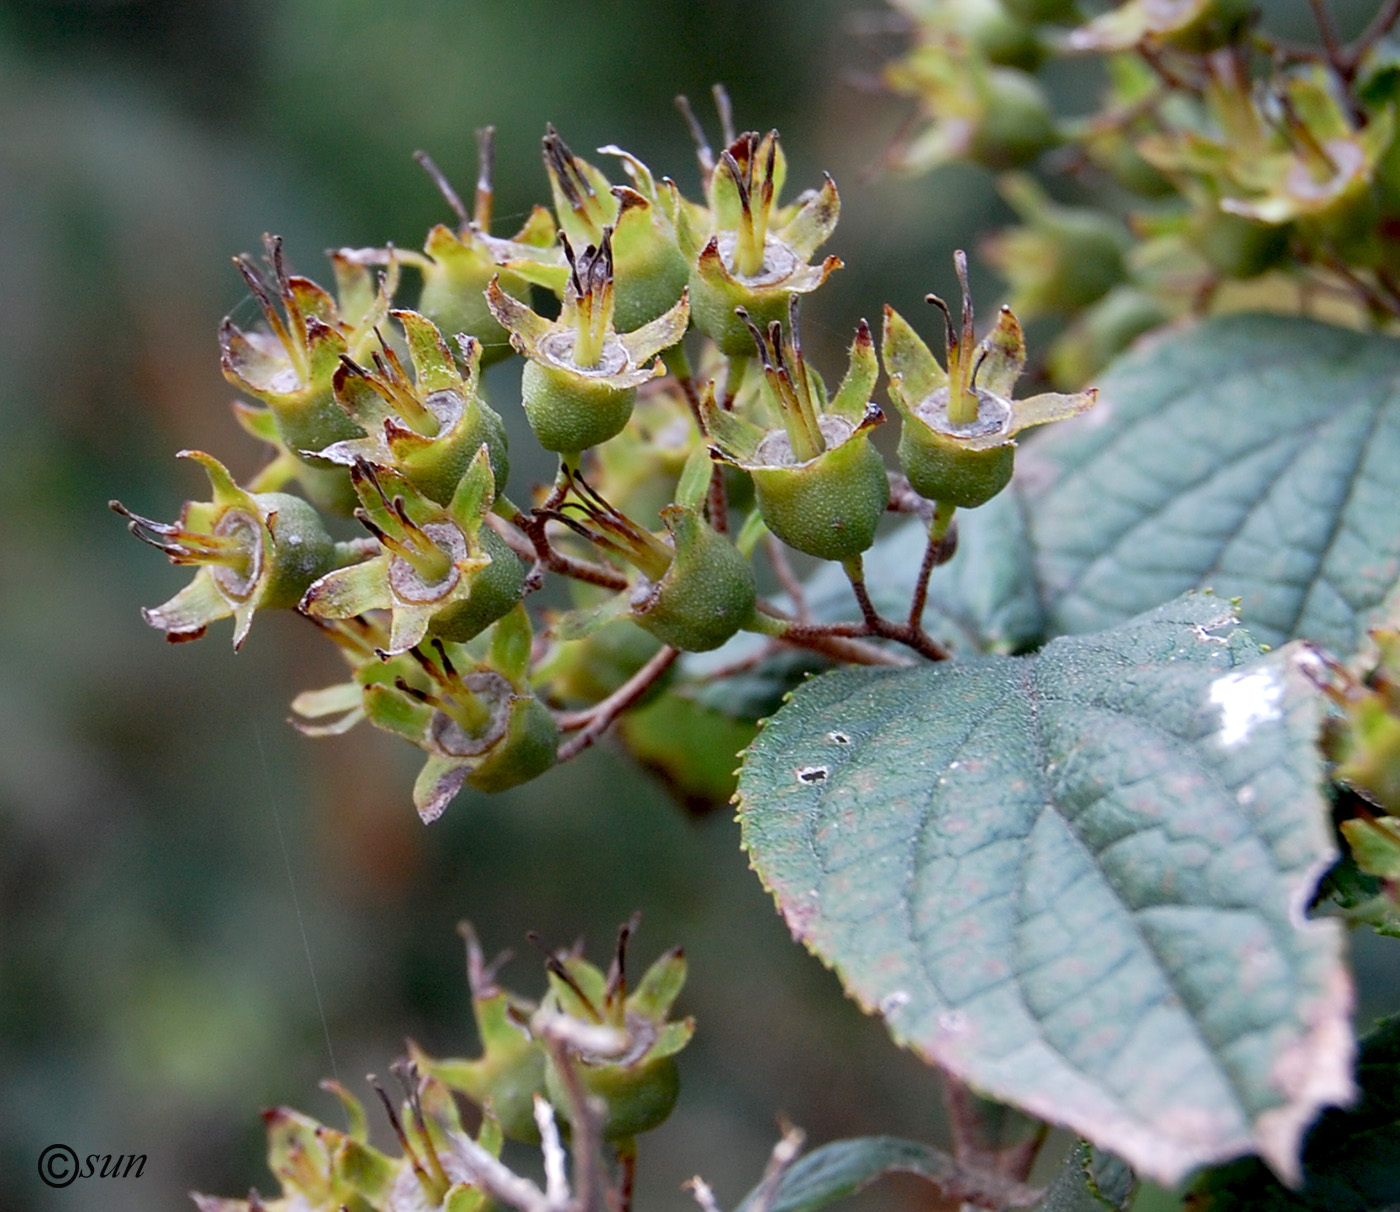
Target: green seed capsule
x,y
707,594
829,506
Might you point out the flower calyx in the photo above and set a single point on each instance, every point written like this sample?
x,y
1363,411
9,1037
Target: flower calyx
x,y
820,485
995,116
440,570
581,377
651,271
252,551
474,714
755,254
630,1064
428,427
1062,258
958,441
290,363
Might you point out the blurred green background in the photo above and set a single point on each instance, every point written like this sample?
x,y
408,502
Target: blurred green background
x,y
175,861
159,821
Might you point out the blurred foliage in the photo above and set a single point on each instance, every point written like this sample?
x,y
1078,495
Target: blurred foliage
x,y
171,857
204,912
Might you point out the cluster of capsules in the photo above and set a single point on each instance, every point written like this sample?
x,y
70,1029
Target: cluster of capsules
x,y
1227,168
672,385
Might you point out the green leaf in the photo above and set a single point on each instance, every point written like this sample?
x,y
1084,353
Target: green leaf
x,y
845,1167
1352,1159
1255,455
1078,879
1090,1180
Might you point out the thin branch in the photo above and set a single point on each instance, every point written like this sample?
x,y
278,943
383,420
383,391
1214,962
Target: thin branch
x,y
556,1179
627,1162
877,625
785,1152
1381,24
1327,32
782,568
498,1180
942,543
589,725
717,502
528,538
932,550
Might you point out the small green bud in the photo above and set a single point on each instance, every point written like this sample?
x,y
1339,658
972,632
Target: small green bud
x,y
441,570
1063,258
819,483
480,723
651,270
252,550
747,252
695,592
581,379
427,428
638,1084
996,116
706,594
289,365
958,442
457,266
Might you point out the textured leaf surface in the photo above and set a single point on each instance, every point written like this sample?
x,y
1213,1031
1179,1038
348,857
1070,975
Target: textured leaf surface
x,y
1077,879
1090,1181
1352,1161
844,1167
1255,455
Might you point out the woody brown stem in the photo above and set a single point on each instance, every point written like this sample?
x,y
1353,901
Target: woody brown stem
x,y
590,724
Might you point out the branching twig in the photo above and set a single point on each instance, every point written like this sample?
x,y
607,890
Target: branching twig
x,y
589,725
782,568
1381,24
551,559
877,625
499,1181
585,1120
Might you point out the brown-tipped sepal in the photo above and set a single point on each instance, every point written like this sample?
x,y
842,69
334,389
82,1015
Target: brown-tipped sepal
x,y
637,1086
441,570
427,427
510,1070
253,551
